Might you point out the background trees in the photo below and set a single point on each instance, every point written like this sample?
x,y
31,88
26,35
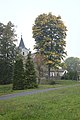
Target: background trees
x,y
72,66
24,75
72,63
49,33
7,52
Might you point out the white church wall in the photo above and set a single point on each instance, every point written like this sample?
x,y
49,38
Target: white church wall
x,y
24,52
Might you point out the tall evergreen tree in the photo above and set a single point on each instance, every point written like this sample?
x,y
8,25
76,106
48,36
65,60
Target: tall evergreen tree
x,y
30,73
18,75
7,52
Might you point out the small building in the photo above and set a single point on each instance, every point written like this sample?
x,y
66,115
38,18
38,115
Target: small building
x,y
23,50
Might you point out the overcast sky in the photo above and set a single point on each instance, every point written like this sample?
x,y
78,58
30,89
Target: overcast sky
x,y
23,13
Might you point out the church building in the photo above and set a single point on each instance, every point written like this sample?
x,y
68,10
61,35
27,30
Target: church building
x,y
23,50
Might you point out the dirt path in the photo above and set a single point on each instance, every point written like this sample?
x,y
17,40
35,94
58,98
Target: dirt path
x,y
8,96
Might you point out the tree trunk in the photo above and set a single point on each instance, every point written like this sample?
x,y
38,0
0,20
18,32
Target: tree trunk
x,y
48,71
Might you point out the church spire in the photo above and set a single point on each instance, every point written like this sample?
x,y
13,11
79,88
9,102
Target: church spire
x,y
21,45
22,49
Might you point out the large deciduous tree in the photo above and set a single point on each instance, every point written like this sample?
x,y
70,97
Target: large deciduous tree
x,y
7,52
49,33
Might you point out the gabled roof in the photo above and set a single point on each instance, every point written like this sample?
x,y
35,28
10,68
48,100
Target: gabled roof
x,y
21,45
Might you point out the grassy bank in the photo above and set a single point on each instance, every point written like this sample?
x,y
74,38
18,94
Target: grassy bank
x,y
61,104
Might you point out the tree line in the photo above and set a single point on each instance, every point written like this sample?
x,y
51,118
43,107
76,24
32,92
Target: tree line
x,y
72,65
12,69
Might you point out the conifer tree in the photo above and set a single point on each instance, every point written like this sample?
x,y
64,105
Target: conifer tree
x,y
7,52
18,75
30,73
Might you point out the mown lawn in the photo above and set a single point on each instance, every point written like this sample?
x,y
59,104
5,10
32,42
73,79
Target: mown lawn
x,y
61,104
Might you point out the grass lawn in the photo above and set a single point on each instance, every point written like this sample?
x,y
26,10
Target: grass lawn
x,y
7,89
61,104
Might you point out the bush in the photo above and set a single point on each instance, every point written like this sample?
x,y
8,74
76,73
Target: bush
x,y
52,82
71,75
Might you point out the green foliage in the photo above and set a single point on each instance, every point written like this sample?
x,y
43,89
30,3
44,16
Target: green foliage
x,y
71,75
52,82
7,52
24,75
18,75
30,73
49,33
72,66
72,63
5,72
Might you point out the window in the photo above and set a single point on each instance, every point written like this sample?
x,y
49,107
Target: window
x,y
23,53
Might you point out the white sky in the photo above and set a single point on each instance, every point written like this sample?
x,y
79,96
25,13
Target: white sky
x,y
23,13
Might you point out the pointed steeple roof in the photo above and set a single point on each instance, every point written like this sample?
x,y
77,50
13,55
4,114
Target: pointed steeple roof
x,y
21,45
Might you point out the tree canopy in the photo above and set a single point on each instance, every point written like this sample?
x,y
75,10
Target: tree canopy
x,y
72,63
49,33
73,67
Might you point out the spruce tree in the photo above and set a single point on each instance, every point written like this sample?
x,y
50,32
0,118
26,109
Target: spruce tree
x,y
18,75
30,73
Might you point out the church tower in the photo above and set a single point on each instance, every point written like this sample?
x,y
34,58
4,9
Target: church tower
x,y
23,50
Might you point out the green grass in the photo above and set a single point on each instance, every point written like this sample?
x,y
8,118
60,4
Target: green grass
x,y
7,89
61,104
